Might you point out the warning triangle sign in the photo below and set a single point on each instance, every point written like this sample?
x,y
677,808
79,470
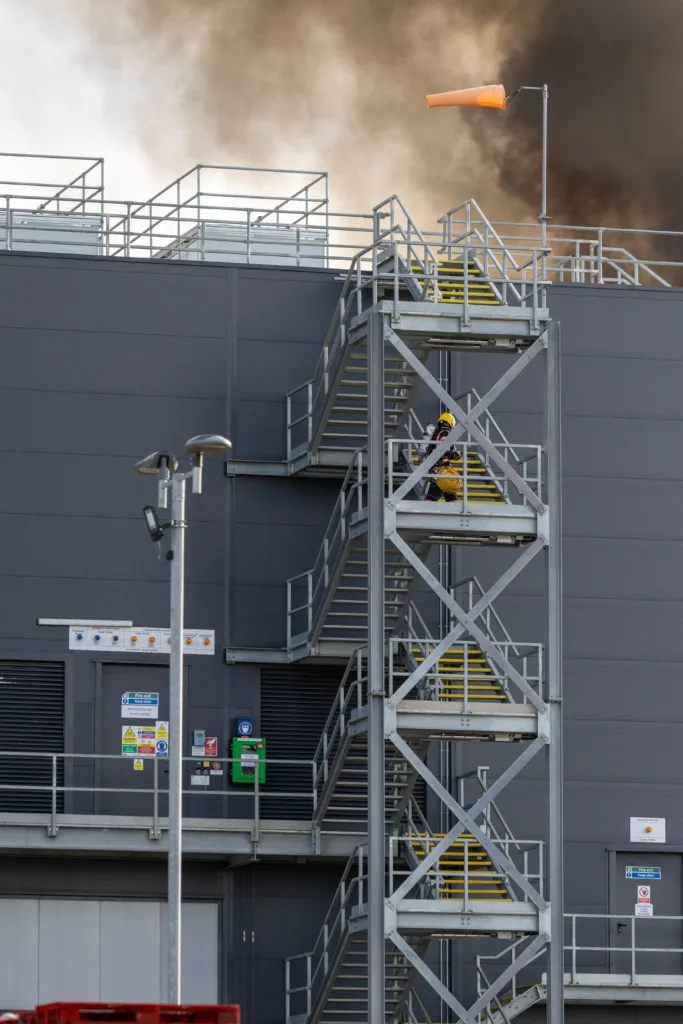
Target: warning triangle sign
x,y
129,735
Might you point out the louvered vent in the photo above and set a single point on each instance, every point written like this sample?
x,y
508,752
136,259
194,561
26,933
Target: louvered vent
x,y
295,703
31,722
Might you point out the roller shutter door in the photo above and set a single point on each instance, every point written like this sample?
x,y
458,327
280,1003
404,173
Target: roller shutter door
x,y
32,722
295,703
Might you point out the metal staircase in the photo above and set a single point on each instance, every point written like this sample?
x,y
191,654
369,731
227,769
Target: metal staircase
x,y
327,605
407,686
498,304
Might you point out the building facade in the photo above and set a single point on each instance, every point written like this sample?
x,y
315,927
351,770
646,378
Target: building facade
x,y
107,357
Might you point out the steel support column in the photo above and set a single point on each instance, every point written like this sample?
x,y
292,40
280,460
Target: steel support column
x,y
555,761
376,827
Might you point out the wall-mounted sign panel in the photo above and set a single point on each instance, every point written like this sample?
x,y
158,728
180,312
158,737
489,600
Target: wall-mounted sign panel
x,y
643,871
648,830
139,640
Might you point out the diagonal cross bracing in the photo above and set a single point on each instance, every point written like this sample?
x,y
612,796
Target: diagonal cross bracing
x,y
466,421
466,820
487,645
477,611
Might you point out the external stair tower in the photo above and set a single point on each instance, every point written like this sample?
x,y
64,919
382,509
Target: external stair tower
x,y
406,690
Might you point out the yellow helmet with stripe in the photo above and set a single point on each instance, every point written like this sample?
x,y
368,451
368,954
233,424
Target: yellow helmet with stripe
x,y
447,418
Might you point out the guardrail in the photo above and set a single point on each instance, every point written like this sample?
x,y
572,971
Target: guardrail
x,y
615,950
59,766
277,215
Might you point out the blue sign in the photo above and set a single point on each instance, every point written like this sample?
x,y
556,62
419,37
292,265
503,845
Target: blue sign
x,y
643,872
162,748
244,727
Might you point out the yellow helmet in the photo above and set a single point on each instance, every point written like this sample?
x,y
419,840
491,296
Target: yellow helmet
x,y
447,417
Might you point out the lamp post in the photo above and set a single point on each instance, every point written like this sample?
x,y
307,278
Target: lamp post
x,y
164,465
494,96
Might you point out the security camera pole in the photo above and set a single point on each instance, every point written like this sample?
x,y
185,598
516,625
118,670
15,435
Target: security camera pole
x,y
164,465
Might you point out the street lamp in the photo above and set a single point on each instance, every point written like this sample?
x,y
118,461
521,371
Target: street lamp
x,y
164,465
494,96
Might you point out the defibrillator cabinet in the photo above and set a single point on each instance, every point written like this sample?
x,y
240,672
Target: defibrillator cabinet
x,y
249,758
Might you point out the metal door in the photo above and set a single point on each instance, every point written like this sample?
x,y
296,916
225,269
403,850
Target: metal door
x,y
115,681
629,932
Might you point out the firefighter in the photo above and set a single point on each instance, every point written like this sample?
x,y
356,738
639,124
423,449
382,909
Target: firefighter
x,y
445,424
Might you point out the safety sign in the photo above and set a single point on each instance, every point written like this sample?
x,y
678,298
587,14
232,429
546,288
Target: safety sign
x,y
143,740
138,764
643,894
643,871
139,705
203,745
644,910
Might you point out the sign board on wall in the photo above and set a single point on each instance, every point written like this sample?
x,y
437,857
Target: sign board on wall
x,y
145,740
648,830
643,871
139,640
644,910
139,705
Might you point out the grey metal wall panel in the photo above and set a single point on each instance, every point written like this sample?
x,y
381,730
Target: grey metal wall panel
x,y
19,953
130,966
80,294
69,951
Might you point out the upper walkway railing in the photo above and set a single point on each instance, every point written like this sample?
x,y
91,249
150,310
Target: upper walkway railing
x,y
269,215
67,788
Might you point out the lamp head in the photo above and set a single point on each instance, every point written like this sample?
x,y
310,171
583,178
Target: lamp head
x,y
207,444
151,464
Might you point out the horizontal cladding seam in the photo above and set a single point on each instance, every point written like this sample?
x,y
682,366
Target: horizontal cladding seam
x,y
199,520
190,339
111,581
127,395
592,416
589,597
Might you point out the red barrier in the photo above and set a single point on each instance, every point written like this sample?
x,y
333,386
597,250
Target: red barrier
x,y
131,1013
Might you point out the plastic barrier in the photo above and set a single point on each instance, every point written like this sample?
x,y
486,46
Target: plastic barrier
x,y
130,1013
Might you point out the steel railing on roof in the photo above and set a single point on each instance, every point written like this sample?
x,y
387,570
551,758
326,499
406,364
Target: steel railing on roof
x,y
266,215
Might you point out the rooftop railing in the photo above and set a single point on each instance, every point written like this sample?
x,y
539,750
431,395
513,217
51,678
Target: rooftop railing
x,y
284,217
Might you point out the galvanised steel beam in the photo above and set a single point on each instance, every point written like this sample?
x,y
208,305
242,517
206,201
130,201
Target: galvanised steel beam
x,y
376,826
553,478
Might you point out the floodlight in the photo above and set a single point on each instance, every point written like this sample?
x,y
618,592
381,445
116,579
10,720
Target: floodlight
x,y
155,528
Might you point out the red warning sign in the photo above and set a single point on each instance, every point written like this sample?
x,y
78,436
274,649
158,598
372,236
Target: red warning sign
x,y
643,893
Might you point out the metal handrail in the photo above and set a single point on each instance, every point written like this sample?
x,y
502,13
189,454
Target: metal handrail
x,y
402,661
57,787
349,895
524,457
573,948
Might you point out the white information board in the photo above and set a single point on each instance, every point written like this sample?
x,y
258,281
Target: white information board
x,y
140,640
648,830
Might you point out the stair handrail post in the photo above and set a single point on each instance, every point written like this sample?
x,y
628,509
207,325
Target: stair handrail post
x,y
309,982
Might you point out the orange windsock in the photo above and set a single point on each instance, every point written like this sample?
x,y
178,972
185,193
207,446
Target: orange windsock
x,y
481,96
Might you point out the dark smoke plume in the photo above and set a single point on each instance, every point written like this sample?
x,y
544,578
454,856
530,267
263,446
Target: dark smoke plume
x,y
341,85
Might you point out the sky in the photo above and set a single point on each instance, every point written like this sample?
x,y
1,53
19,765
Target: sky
x,y
69,91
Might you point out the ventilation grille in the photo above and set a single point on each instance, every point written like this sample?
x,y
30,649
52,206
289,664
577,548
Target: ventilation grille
x,y
295,703
31,723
